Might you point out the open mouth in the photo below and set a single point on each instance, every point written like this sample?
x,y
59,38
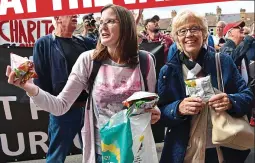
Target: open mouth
x,y
104,35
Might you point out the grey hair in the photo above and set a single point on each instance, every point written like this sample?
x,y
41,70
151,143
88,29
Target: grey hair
x,y
184,17
222,22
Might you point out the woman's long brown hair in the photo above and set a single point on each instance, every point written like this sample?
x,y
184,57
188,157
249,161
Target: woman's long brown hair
x,y
127,44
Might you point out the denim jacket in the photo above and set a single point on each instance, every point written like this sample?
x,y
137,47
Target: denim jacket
x,y
171,90
51,64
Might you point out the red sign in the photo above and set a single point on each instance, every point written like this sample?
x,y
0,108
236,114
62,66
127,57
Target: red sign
x,y
24,32
21,9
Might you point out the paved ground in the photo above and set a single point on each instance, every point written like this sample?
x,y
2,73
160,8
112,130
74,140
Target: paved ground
x,y
78,158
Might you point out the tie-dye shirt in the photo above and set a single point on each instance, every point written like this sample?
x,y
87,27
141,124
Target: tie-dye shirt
x,y
113,84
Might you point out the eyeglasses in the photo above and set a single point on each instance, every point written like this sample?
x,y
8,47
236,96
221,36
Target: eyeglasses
x,y
109,22
184,31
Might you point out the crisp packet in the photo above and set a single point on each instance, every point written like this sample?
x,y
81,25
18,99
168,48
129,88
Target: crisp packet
x,y
23,68
200,87
139,101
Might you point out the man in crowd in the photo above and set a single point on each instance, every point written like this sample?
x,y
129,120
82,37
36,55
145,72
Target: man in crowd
x,y
152,34
219,37
90,30
54,56
237,46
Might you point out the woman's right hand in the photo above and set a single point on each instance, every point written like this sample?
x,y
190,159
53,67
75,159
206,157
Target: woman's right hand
x,y
29,86
191,106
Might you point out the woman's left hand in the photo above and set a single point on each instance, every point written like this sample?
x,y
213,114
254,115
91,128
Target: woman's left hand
x,y
155,114
220,102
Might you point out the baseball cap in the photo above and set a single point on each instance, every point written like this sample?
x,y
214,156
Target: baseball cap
x,y
154,18
233,25
88,16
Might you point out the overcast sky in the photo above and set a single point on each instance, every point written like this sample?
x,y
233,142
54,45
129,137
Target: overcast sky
x,y
228,7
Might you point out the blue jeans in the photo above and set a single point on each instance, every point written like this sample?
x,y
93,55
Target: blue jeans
x,y
61,132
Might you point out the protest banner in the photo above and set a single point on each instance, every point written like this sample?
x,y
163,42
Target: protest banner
x,y
24,126
22,9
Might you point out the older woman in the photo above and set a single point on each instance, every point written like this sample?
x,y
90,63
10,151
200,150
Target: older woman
x,y
118,77
188,137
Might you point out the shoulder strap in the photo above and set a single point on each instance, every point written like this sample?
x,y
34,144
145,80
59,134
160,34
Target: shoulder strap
x,y
144,66
95,69
92,77
219,72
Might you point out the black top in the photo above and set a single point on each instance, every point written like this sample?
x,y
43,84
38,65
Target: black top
x,y
72,50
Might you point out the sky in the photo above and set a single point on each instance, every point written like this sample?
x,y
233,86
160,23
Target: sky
x,y
228,7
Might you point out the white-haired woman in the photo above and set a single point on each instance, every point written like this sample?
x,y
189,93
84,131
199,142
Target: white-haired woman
x,y
188,137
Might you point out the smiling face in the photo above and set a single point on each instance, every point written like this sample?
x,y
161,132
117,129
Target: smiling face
x,y
190,38
109,29
67,22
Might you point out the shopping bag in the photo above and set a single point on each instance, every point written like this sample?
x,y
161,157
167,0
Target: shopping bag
x,y
127,136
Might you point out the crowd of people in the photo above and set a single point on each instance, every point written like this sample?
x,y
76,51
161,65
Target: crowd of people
x,y
81,98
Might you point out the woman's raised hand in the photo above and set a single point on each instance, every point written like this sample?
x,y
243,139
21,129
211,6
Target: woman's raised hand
x,y
29,86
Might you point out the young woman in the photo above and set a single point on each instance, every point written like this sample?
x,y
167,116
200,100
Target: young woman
x,y
119,77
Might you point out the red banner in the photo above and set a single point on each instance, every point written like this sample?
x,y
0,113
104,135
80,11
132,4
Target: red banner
x,y
23,9
24,32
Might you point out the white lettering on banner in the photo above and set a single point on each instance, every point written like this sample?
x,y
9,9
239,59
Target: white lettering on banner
x,y
134,1
6,105
34,143
21,145
87,3
32,6
17,6
101,3
73,4
34,110
57,4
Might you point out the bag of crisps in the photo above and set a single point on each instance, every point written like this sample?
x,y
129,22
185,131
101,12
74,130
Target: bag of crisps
x,y
24,68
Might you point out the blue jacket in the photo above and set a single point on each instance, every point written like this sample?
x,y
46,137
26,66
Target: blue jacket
x,y
238,52
171,90
50,63
210,41
251,52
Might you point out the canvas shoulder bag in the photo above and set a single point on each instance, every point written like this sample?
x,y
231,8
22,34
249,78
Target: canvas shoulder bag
x,y
229,131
